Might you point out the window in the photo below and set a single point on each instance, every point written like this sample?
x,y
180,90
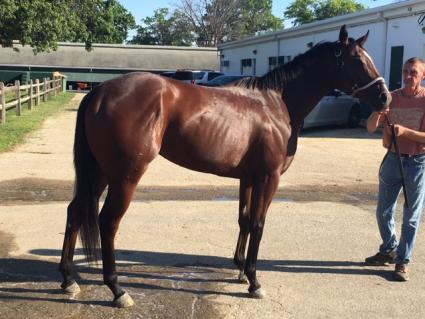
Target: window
x,y
225,63
246,62
272,62
248,67
282,59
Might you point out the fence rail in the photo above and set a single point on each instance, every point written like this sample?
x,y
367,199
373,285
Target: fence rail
x,y
31,93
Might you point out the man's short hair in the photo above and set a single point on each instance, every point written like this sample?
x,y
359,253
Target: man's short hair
x,y
416,60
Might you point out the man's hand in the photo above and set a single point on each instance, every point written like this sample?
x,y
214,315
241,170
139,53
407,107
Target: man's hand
x,y
376,119
400,130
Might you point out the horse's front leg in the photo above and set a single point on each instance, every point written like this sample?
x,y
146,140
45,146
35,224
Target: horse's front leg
x,y
262,194
116,204
245,190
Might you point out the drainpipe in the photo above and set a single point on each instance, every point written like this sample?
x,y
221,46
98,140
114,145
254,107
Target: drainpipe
x,y
385,20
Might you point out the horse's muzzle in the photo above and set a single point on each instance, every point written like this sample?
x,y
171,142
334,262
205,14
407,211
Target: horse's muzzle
x,y
385,99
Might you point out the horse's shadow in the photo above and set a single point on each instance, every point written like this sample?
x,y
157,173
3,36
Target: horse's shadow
x,y
156,271
128,258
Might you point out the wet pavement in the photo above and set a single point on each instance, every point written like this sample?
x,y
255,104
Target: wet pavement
x,y
29,287
33,190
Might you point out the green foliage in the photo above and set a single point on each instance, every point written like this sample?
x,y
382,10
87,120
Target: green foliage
x,y
41,24
306,11
257,16
163,29
16,128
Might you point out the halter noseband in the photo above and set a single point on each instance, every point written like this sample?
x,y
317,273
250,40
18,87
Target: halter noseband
x,y
356,89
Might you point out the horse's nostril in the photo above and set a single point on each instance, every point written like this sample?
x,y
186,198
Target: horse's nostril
x,y
384,97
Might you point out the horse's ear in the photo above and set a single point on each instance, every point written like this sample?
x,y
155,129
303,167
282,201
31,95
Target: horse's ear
x,y
362,40
343,35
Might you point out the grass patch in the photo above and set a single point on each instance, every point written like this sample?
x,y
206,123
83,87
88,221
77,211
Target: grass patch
x,y
16,128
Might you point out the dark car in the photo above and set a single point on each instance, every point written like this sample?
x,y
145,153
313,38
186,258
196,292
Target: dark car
x,y
192,76
223,80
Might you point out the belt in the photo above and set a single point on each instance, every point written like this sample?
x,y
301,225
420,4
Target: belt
x,y
407,155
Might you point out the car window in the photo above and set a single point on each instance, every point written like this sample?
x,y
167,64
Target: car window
x,y
198,75
184,75
168,74
213,75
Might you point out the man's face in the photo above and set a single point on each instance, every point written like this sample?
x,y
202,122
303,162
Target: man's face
x,y
413,74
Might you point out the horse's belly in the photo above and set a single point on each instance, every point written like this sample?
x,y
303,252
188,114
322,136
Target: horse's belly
x,y
222,158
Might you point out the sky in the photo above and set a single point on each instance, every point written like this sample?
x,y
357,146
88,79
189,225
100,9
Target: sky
x,y
142,8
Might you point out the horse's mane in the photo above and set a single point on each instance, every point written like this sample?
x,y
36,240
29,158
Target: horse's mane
x,y
277,78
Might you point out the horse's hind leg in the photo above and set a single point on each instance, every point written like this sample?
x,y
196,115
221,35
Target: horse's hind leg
x,y
116,204
245,190
73,224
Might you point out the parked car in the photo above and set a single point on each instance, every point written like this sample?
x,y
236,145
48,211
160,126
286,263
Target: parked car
x,y
223,80
193,76
336,108
168,74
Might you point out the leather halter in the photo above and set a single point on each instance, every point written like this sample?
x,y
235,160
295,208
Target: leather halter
x,y
356,89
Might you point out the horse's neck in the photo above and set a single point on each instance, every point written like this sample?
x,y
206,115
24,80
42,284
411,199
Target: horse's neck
x,y
302,94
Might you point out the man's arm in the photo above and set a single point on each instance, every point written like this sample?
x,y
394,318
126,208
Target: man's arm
x,y
410,134
375,120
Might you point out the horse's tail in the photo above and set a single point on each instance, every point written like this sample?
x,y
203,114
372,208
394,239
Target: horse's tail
x,y
86,189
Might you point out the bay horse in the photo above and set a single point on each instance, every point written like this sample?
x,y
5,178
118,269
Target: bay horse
x,y
247,131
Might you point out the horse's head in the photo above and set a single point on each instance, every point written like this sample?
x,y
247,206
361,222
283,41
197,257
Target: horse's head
x,y
357,73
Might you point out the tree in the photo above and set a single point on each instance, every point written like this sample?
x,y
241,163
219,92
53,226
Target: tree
x,y
101,21
216,21
257,16
163,29
41,24
306,11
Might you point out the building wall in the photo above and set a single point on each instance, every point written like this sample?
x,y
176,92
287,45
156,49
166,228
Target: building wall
x,y
406,32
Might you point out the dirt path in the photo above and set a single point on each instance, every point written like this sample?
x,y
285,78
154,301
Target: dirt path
x,y
176,242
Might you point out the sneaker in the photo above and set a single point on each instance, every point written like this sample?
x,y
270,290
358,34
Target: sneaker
x,y
400,273
381,259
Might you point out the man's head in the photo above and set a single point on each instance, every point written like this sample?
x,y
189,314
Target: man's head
x,y
413,72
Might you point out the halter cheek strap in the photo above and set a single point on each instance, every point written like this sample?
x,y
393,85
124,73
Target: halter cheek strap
x,y
356,89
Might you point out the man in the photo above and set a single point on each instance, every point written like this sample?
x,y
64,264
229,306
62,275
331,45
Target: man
x,y
406,112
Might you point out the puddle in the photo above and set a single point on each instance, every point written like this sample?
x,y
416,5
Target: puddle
x,y
30,190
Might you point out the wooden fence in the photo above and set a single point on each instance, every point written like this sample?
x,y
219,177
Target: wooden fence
x,y
31,93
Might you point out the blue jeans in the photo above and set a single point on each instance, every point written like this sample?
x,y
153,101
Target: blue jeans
x,y
389,189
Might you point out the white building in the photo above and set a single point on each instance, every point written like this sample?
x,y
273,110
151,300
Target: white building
x,y
397,32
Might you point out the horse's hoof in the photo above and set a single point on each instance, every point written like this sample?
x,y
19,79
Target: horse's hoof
x,y
124,301
72,289
258,293
243,279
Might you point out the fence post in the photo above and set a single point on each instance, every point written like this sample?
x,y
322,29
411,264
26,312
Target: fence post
x,y
18,97
48,92
30,101
44,89
37,92
3,103
55,90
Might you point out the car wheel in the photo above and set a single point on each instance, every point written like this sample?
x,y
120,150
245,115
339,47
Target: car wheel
x,y
354,117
